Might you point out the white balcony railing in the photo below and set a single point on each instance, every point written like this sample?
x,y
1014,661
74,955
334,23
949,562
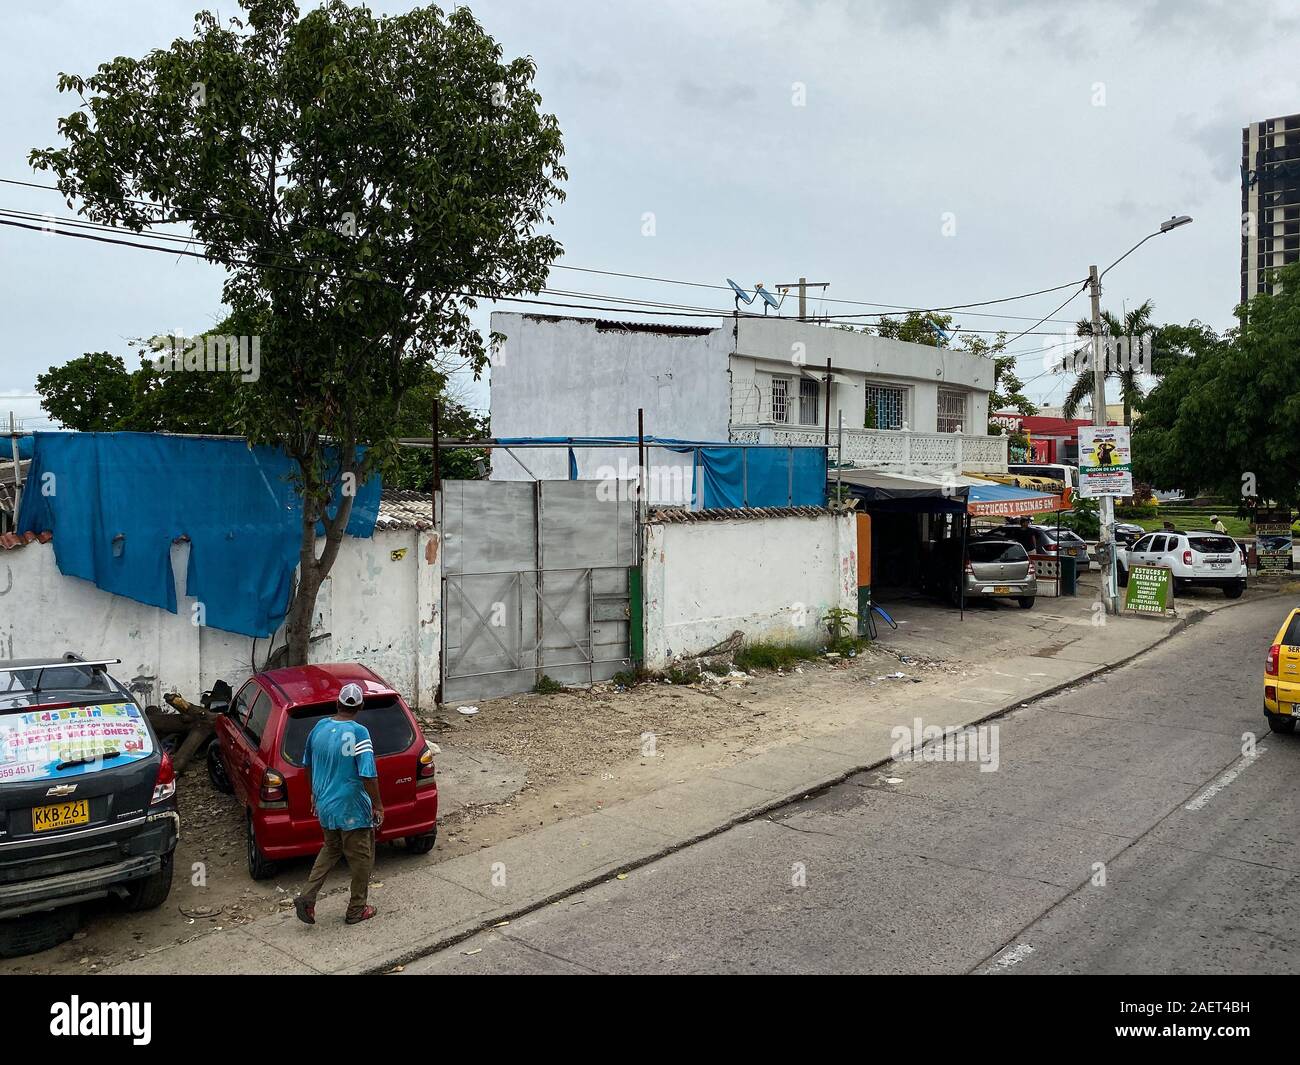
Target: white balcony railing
x,y
893,451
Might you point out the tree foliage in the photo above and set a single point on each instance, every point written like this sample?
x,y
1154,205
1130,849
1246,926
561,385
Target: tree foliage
x,y
1135,323
364,181
1223,417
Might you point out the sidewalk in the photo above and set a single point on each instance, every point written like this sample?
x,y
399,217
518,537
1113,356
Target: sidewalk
x,y
1021,655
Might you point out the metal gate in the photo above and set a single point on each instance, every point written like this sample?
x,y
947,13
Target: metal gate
x,y
535,582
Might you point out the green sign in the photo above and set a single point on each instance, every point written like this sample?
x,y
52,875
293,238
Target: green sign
x,y
1150,589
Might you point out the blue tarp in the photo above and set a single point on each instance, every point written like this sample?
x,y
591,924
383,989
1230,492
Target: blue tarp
x,y
116,501
727,475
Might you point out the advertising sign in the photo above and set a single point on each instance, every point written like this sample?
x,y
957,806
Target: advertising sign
x,y
1273,545
1149,590
1105,461
71,740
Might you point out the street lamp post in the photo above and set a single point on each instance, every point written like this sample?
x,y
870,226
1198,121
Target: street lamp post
x,y
1107,508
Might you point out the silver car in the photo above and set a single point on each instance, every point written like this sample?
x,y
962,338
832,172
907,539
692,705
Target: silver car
x,y
999,568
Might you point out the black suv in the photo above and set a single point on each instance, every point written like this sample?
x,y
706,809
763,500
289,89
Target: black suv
x,y
87,800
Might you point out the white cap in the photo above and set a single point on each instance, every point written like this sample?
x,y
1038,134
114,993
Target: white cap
x,y
350,696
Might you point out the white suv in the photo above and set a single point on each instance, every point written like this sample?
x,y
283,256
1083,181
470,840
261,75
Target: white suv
x,y
1197,559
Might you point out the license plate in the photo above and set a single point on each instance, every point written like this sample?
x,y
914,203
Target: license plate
x,y
60,815
1001,589
1217,565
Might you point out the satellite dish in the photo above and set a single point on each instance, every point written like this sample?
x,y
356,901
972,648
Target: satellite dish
x,y
768,298
740,292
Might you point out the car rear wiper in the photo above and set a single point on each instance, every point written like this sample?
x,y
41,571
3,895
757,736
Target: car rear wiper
x,y
84,761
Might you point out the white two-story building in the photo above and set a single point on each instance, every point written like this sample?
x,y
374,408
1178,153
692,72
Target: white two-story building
x,y
906,408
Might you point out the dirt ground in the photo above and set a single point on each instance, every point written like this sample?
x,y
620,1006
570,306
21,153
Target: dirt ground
x,y
539,759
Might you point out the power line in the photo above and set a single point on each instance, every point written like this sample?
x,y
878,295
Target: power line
x,y
100,238
889,307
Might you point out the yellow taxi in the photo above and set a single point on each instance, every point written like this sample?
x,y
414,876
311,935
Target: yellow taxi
x,y
1282,676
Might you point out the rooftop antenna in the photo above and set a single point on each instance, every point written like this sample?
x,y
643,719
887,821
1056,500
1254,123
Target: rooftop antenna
x,y
945,339
768,299
741,294
803,284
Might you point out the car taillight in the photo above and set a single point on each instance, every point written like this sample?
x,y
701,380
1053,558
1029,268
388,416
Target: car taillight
x,y
272,786
1270,670
969,568
1032,571
427,768
1187,558
1270,692
1050,549
164,786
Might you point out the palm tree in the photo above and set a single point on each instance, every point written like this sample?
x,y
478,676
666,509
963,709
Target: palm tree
x,y
1136,322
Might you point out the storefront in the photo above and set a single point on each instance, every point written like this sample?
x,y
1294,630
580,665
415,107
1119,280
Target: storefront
x,y
915,528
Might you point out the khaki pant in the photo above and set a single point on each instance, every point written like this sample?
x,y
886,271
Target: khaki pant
x,y
357,846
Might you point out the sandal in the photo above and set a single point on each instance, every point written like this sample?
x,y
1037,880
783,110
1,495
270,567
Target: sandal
x,y
364,915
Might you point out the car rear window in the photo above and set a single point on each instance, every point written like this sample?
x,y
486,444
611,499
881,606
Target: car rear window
x,y
1291,638
1213,545
385,720
996,551
71,740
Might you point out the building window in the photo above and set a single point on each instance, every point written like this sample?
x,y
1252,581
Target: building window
x,y
952,410
780,399
807,401
885,407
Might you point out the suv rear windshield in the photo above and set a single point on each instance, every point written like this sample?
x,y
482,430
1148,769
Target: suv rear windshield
x,y
996,551
1291,638
1213,545
385,720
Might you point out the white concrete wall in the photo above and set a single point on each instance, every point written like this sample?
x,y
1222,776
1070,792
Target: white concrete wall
x,y
572,377
375,609
771,578
786,348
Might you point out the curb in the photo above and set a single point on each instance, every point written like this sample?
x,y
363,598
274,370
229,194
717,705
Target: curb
x,y
816,787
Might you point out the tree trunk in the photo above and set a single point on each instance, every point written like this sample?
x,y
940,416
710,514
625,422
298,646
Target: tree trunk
x,y
195,722
312,571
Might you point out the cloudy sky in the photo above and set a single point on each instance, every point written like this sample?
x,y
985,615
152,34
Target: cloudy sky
x,y
910,152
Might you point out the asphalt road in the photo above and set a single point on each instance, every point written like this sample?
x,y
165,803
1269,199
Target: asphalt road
x,y
1122,831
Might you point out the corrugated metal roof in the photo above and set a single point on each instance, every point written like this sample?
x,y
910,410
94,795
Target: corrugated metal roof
x,y
682,516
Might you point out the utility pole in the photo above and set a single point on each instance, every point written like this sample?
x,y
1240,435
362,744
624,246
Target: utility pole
x,y
1107,503
803,284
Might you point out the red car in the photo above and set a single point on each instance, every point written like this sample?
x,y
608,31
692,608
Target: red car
x,y
257,756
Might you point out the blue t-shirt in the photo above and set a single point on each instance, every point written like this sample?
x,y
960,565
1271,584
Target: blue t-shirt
x,y
340,754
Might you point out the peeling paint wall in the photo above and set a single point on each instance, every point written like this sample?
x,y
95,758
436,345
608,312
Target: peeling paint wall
x,y
369,610
770,578
571,378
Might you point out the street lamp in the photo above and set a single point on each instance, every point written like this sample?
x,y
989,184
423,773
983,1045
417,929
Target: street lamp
x,y
1099,406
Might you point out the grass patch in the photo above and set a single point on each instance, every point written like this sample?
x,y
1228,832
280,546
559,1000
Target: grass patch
x,y
767,654
547,686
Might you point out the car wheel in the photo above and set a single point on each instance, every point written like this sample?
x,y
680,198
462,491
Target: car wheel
x,y
34,932
152,891
260,867
217,770
1280,723
1233,591
422,844
1026,602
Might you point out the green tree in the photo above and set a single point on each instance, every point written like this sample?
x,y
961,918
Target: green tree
x,y
1134,324
364,182
912,327
1223,416
90,394
1008,391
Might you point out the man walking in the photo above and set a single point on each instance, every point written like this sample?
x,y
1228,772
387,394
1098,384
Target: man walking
x,y
1217,525
339,761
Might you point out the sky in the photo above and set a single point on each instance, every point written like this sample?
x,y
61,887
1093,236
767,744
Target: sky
x,y
918,153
